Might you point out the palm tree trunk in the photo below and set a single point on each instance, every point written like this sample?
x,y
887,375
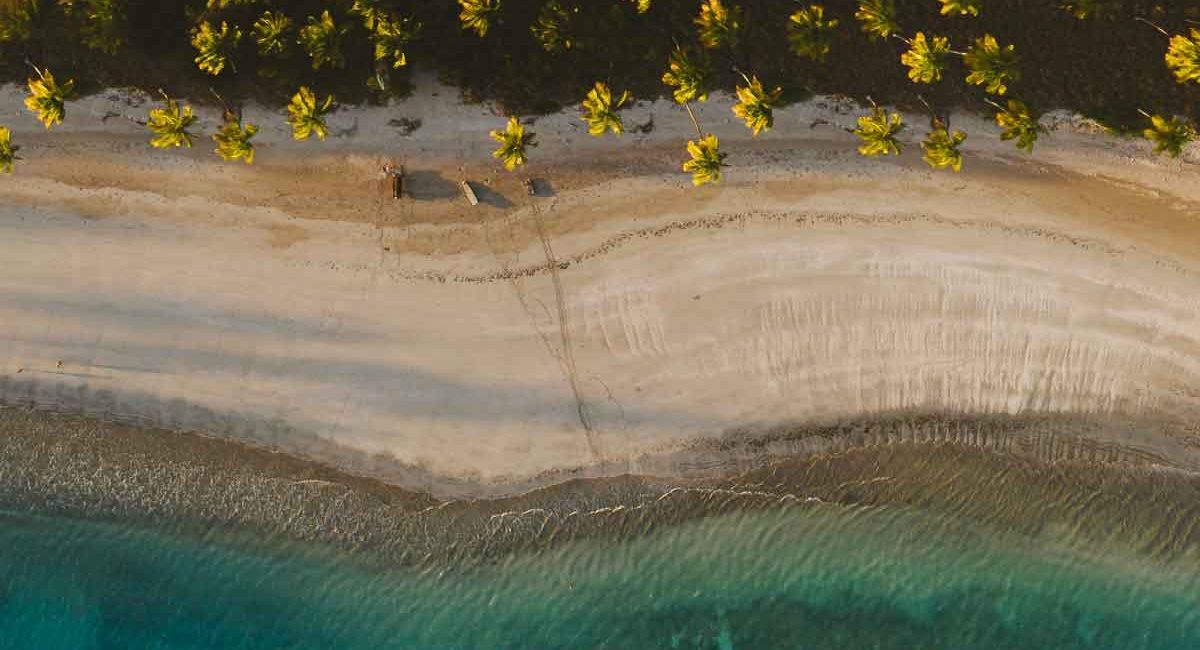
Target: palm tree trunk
x,y
695,123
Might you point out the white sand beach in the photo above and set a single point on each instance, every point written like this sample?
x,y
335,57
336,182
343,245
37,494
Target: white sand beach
x,y
294,302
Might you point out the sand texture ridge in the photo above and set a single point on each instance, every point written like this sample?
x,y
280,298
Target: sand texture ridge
x,y
621,315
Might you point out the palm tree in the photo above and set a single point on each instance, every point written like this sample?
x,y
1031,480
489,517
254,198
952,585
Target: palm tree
x,y
214,46
600,111
718,24
477,14
1018,123
642,6
941,147
878,18
878,132
1183,56
371,12
926,58
550,28
810,32
961,7
991,65
706,160
233,139
270,32
513,143
689,77
47,99
322,39
391,36
307,116
755,105
1171,135
8,151
170,125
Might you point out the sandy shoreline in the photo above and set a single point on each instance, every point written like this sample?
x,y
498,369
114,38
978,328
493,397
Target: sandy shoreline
x,y
809,288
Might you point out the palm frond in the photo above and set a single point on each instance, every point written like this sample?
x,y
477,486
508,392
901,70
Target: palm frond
x,y
706,160
307,115
1183,56
755,104
718,24
1019,123
688,76
233,140
214,46
926,58
877,18
600,110
878,132
991,65
810,32
941,147
170,125
270,32
477,15
322,39
48,99
8,151
1170,135
961,7
514,143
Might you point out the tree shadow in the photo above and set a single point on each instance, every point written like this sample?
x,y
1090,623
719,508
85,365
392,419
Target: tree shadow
x,y
488,196
542,187
426,185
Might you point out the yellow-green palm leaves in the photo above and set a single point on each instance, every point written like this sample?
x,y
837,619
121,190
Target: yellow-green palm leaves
x,y
1169,135
514,142
1183,57
233,140
877,18
718,24
810,32
926,58
1019,123
961,7
687,76
48,99
8,151
941,147
878,132
391,37
16,20
642,6
600,110
322,39
477,15
706,160
214,46
991,65
307,115
170,125
755,105
552,27
371,12
270,32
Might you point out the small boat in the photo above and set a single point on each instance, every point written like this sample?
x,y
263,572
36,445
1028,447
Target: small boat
x,y
469,192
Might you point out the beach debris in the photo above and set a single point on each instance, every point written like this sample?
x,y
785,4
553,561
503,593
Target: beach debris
x,y
469,192
405,126
396,174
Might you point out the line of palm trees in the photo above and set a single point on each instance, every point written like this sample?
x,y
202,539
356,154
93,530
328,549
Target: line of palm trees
x,y
991,65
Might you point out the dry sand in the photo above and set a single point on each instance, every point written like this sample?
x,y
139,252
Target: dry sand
x,y
296,304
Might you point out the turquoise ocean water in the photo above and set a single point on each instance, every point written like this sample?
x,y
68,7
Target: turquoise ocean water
x,y
799,578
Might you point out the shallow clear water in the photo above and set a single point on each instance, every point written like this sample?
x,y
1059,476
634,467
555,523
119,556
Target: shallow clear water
x,y
796,578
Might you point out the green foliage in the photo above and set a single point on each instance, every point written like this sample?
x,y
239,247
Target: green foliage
x,y
810,32
322,39
755,105
1170,136
513,144
233,140
926,58
992,66
104,23
1183,57
16,20
600,111
718,24
878,18
307,116
477,15
642,5
689,77
170,125
47,99
551,27
941,147
214,46
706,160
216,5
961,7
371,12
1084,9
391,38
8,151
878,132
1020,124
270,32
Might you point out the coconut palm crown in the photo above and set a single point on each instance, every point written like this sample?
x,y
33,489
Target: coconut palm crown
x,y
926,58
600,110
1183,56
961,7
8,151
810,32
307,115
877,18
48,99
688,76
1170,135
170,125
391,37
214,46
477,15
1019,123
233,139
513,144
755,105
706,160
718,24
878,132
941,147
270,32
322,39
991,65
